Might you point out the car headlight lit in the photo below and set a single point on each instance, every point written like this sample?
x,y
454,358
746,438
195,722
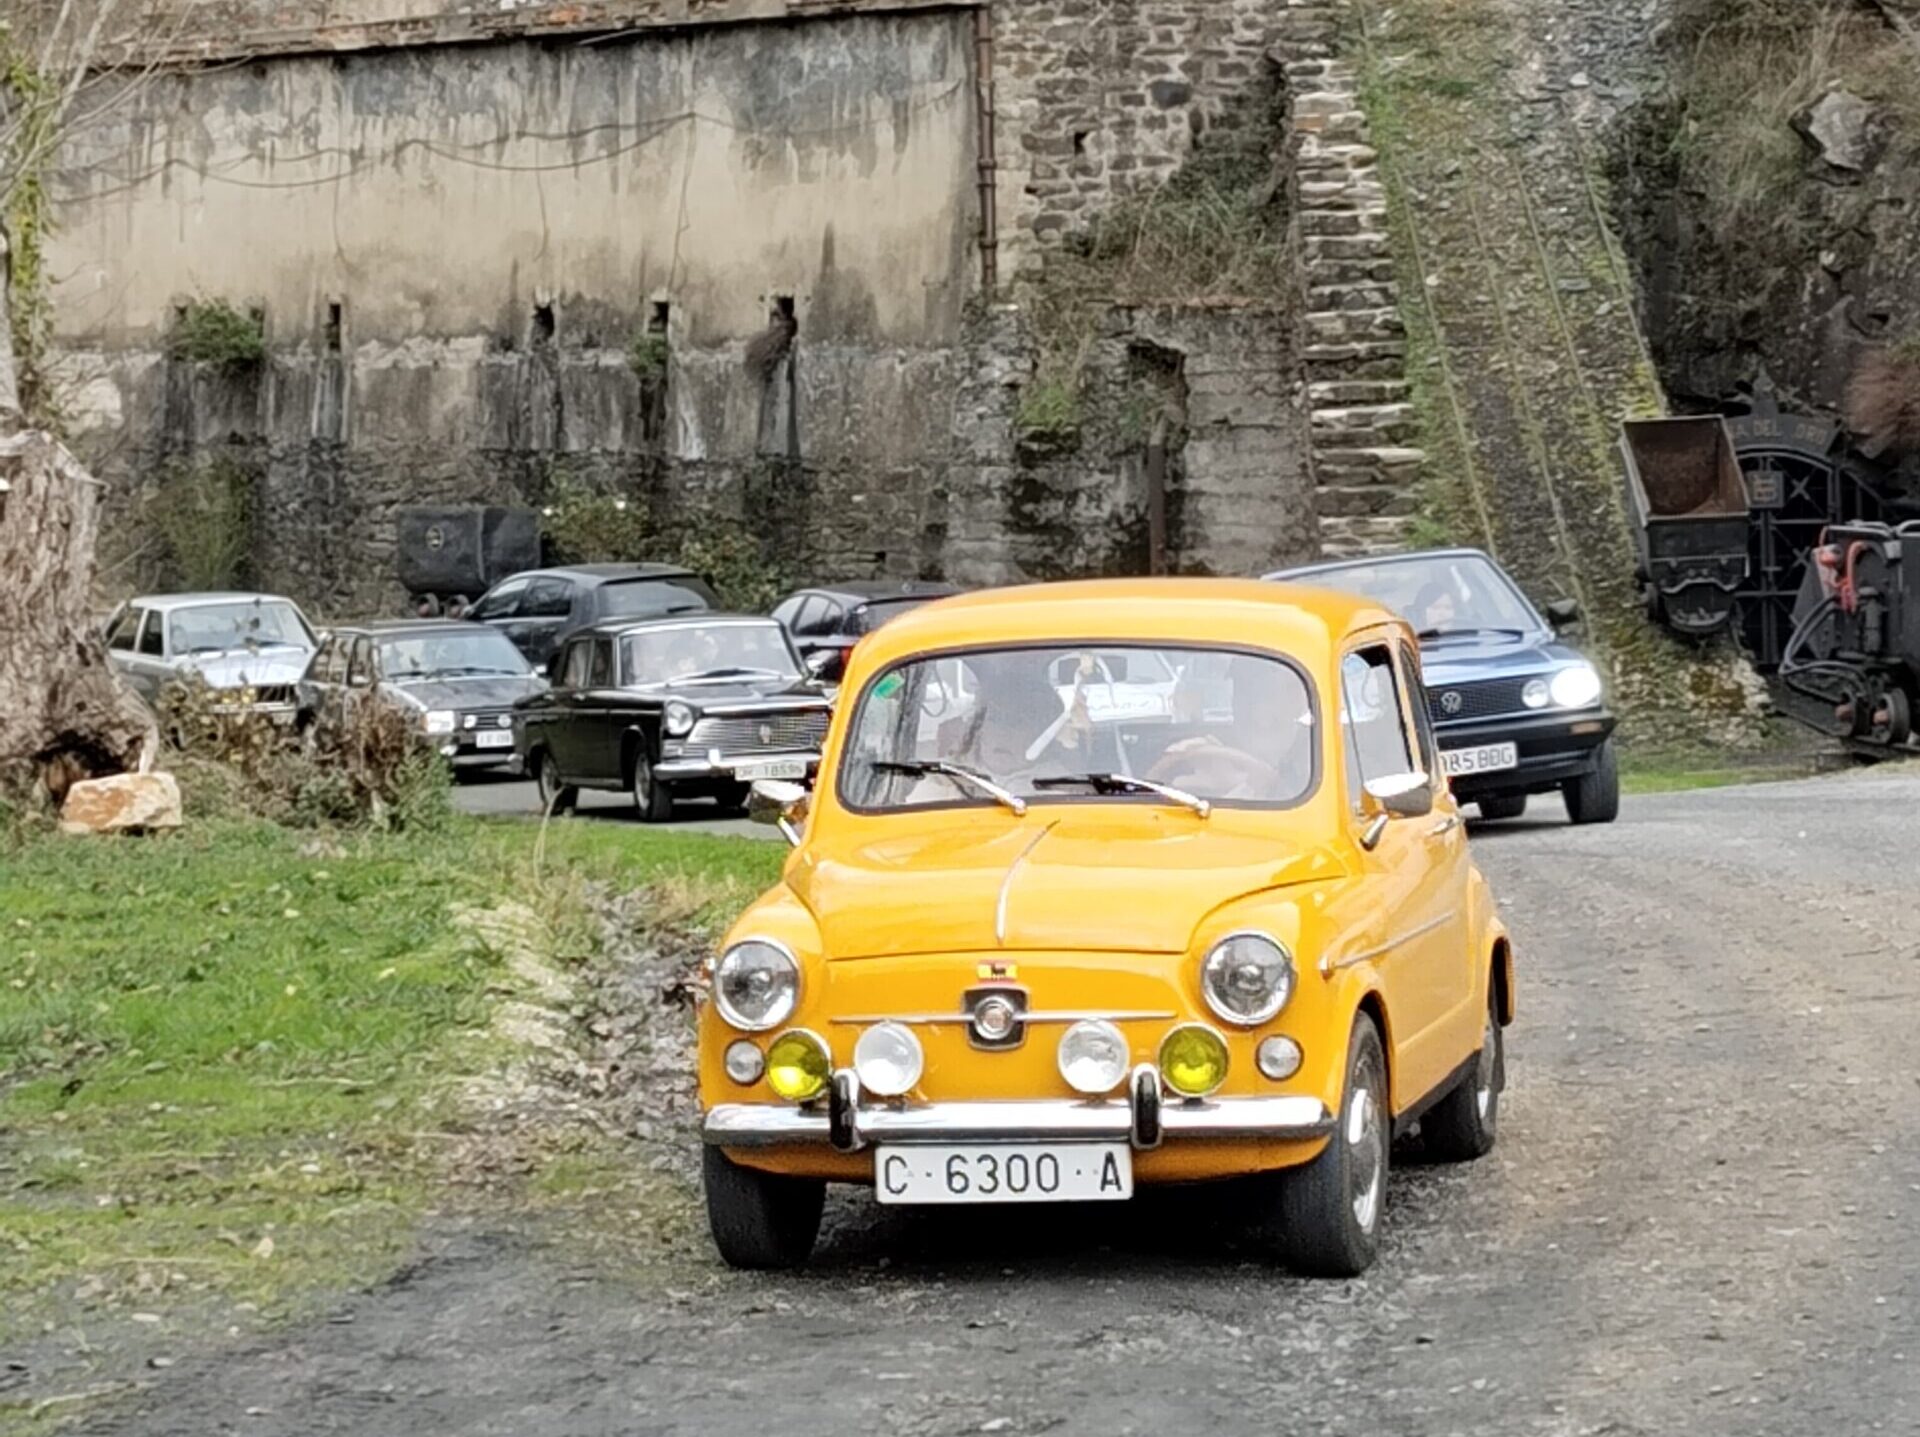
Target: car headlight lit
x,y
797,1065
1576,686
438,721
887,1060
1193,1060
1093,1057
1536,695
756,984
1247,978
679,720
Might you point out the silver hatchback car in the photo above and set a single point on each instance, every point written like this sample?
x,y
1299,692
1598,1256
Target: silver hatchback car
x,y
251,648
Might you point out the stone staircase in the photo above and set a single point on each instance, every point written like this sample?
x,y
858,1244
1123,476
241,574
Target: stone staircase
x,y
1353,347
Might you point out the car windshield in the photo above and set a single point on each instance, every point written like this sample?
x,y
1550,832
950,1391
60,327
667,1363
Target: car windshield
x,y
1438,594
450,653
639,598
212,628
1077,722
686,652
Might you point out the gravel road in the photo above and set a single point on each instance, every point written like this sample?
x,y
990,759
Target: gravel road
x,y
1699,1219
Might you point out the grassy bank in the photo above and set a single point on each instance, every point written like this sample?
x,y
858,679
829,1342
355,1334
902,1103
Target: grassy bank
x,y
232,1059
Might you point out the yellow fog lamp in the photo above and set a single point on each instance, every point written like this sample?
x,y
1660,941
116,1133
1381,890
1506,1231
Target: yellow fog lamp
x,y
797,1065
1193,1060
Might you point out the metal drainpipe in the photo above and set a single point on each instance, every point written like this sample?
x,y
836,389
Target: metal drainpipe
x,y
989,164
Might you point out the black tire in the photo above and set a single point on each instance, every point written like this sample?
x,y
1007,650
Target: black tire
x,y
555,796
733,795
1462,1126
1324,1219
1892,719
652,800
1595,797
1504,805
760,1220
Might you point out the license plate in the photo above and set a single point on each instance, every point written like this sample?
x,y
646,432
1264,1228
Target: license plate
x,y
775,768
1003,1172
1490,758
497,738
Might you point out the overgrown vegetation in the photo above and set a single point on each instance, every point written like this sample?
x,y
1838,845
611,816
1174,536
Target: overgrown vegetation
x,y
202,516
585,525
647,356
213,332
30,107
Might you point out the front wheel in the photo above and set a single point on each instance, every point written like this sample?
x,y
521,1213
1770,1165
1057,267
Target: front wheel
x,y
1595,797
555,796
1505,805
1462,1126
652,799
1323,1219
758,1219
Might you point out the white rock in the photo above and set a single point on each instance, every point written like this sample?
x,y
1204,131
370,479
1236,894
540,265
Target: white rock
x,y
1837,125
126,801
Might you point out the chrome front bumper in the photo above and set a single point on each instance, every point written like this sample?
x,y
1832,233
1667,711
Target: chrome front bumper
x,y
703,765
1143,1117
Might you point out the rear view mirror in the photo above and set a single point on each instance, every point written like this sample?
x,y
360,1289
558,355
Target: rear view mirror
x,y
821,663
1401,795
776,801
1562,612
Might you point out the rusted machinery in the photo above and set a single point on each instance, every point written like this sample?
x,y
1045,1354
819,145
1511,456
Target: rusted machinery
x,y
1851,667
1690,517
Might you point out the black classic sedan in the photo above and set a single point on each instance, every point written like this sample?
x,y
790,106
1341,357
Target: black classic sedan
x,y
669,708
827,622
1515,711
458,681
537,609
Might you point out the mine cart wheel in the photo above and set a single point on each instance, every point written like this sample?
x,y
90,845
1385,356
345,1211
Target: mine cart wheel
x,y
1323,1219
555,796
1504,805
652,799
759,1219
1595,797
1891,719
1462,1125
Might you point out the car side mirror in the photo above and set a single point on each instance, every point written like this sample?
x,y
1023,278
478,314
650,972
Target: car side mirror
x,y
784,804
820,663
1563,612
1399,795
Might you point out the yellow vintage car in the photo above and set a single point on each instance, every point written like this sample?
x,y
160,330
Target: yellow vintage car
x,y
1106,884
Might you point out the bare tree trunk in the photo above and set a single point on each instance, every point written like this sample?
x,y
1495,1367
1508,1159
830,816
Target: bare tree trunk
x,y
9,378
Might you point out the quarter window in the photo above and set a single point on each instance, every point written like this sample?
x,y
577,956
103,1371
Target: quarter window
x,y
600,670
578,664
152,640
1422,717
360,664
1376,741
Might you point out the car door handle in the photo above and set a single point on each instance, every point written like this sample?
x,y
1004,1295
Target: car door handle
x,y
1444,826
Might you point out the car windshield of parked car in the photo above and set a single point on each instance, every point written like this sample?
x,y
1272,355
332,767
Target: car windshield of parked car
x,y
1080,722
639,598
875,612
450,654
214,628
685,653
1438,594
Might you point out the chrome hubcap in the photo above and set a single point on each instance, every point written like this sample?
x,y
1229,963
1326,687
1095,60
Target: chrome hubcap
x,y
1484,1072
1367,1145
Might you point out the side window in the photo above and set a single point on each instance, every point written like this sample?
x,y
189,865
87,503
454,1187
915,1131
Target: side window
x,y
573,673
1370,718
152,640
502,602
360,663
789,609
1422,714
547,599
832,619
121,633
600,669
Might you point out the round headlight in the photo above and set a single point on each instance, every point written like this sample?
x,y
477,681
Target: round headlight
x,y
679,720
1535,694
797,1065
1278,1057
744,1063
1093,1057
1576,687
1247,978
888,1060
439,721
756,984
1193,1060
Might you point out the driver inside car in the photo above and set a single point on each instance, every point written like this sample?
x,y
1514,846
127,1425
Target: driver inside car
x,y
1265,748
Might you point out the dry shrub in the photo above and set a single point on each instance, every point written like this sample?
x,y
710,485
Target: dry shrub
x,y
1883,399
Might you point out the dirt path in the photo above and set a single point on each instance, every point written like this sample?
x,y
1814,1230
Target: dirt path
x,y
1698,1220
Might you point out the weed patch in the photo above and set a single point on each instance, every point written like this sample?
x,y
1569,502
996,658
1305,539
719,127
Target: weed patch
x,y
213,332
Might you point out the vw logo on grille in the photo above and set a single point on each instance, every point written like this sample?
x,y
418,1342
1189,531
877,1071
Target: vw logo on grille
x,y
1450,701
766,733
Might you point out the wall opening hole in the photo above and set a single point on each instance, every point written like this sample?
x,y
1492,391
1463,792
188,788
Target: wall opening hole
x,y
661,318
335,319
783,309
1080,138
543,323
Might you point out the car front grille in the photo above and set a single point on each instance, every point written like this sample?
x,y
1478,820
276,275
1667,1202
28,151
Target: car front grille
x,y
803,731
1490,698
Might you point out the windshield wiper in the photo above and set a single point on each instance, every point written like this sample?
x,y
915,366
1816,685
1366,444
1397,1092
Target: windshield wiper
x,y
1448,633
958,774
736,671
1127,783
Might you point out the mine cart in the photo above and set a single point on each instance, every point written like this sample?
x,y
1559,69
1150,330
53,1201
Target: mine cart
x,y
1852,666
1690,511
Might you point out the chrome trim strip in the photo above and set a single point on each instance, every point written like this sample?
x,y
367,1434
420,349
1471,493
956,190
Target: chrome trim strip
x,y
1045,1015
749,1125
1006,885
1391,944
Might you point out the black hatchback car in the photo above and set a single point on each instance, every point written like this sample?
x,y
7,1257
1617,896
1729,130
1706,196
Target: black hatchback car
x,y
540,607
827,622
666,708
1515,711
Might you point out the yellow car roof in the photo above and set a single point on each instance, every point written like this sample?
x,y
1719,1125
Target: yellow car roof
x,y
1308,623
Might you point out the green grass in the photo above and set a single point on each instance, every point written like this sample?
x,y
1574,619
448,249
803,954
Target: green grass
x,y
1680,770
230,1057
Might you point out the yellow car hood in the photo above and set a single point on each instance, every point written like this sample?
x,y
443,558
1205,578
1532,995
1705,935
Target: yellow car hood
x,y
1135,880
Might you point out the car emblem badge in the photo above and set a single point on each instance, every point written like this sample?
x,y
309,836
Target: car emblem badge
x,y
766,733
1003,971
1450,701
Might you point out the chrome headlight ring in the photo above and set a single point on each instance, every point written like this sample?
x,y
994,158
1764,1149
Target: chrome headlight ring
x,y
678,719
1247,977
756,984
